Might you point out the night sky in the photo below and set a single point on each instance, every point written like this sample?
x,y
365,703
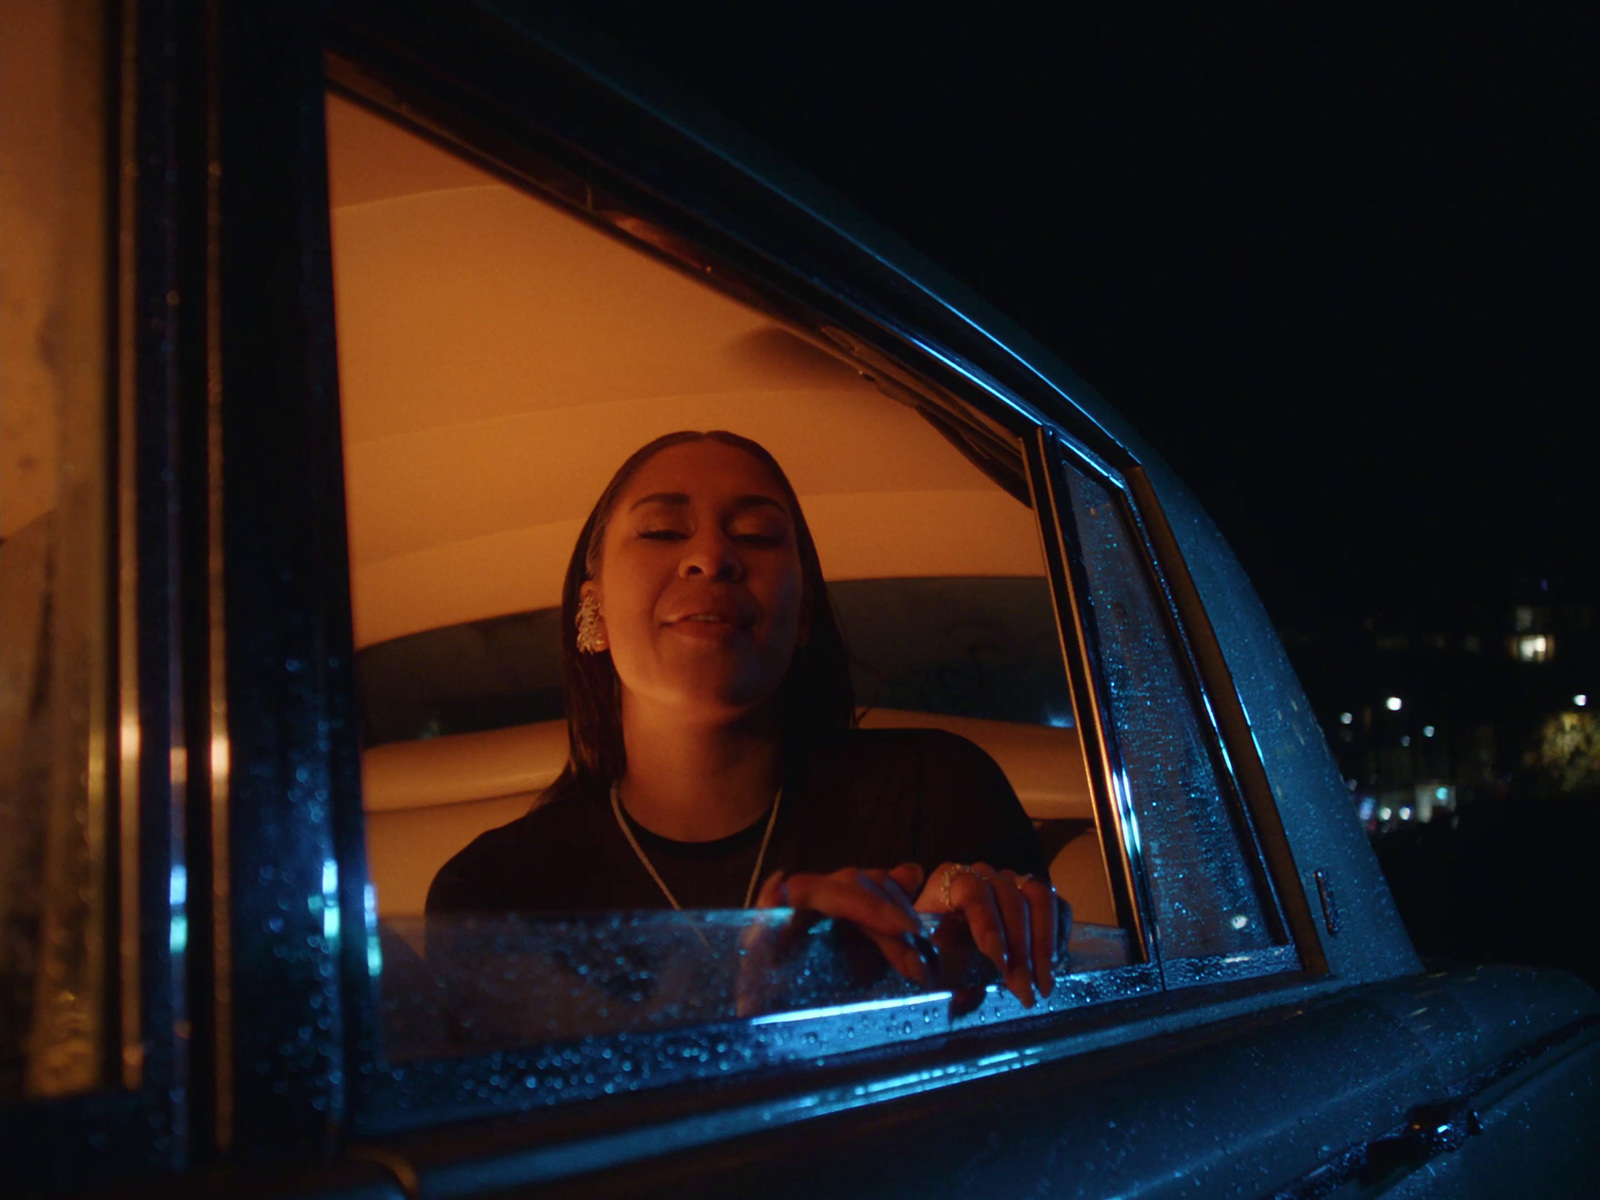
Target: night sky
x,y
1338,269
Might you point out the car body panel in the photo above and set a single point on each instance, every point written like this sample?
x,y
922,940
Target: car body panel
x,y
1207,1099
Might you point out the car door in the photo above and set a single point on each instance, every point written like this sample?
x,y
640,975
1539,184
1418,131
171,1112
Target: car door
x,y
1249,1017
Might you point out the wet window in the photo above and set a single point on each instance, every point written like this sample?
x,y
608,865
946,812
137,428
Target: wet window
x,y
1188,832
55,558
500,357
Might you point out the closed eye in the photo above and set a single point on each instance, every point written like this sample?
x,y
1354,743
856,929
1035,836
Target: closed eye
x,y
663,535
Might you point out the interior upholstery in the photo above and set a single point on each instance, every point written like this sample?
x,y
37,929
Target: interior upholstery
x,y
427,799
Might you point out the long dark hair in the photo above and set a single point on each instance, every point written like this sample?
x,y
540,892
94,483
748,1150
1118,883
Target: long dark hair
x,y
815,697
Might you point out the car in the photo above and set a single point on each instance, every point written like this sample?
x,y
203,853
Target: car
x,y
325,325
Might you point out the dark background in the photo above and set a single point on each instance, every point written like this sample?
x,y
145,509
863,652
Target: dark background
x,y
1337,267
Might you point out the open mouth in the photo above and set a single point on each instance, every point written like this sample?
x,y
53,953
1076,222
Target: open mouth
x,y
710,621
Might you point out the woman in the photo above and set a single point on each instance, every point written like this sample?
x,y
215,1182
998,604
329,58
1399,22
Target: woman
x,y
709,709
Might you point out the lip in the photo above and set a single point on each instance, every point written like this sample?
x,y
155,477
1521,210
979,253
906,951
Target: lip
x,y
711,621
720,630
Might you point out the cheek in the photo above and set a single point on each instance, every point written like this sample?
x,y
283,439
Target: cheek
x,y
787,607
627,590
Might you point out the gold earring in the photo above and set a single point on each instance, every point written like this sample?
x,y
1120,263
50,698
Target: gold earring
x,y
590,639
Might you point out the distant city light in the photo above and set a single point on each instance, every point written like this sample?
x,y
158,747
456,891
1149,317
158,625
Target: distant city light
x,y
1535,648
1441,793
1385,813
1364,809
1392,703
1405,812
1405,739
1581,700
1427,731
1346,718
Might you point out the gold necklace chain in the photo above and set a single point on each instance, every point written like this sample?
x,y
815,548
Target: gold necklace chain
x,y
627,832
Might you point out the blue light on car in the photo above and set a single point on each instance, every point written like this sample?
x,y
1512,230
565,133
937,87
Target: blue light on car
x,y
330,899
369,897
177,900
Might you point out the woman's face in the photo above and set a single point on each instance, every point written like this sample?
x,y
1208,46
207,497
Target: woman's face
x,y
699,583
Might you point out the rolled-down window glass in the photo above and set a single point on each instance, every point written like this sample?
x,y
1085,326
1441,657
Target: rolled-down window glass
x,y
500,358
1187,829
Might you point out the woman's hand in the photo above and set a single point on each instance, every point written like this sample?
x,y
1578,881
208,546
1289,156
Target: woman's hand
x,y
1017,921
875,901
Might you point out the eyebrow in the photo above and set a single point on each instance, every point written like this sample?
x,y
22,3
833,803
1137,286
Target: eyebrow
x,y
681,500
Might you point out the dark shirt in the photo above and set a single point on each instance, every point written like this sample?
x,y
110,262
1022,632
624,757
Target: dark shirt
x,y
865,798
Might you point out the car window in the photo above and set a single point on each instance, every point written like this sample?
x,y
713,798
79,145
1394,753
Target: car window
x,y
1187,827
499,358
56,555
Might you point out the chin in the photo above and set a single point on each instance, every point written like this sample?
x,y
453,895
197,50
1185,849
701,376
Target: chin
x,y
724,701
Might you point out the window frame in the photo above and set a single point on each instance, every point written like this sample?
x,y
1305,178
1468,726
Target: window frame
x,y
551,127
404,1096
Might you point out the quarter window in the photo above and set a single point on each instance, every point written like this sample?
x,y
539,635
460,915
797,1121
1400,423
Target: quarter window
x,y
1186,829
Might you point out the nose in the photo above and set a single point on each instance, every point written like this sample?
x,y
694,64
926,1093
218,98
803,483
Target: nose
x,y
711,552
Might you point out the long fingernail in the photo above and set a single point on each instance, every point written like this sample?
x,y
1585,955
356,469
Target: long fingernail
x,y
1022,985
928,951
916,969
